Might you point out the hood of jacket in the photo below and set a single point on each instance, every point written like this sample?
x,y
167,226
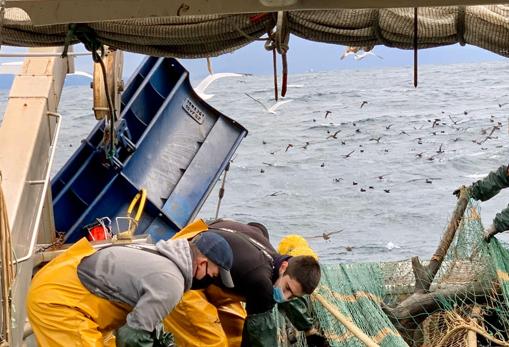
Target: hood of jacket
x,y
179,252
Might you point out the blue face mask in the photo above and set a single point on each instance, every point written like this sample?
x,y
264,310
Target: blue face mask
x,y
277,294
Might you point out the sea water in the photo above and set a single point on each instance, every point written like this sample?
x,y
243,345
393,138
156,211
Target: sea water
x,y
382,173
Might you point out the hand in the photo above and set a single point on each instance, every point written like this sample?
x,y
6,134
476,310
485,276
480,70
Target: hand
x,y
457,192
162,338
489,232
317,340
131,337
291,334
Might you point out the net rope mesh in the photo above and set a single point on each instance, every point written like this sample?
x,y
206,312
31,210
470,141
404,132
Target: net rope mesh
x,y
212,35
467,304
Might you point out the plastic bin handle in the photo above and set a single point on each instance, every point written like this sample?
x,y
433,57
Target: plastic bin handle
x,y
142,198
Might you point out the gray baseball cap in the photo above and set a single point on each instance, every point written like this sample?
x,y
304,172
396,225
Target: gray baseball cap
x,y
218,250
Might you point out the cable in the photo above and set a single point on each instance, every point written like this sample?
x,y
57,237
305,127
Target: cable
x,y
98,59
221,190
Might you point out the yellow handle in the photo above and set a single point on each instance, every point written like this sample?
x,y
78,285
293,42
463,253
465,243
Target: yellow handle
x,y
142,197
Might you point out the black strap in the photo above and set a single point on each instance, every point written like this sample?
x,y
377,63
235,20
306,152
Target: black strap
x,y
135,246
255,243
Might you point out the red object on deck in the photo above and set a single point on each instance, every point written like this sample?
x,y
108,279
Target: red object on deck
x,y
96,233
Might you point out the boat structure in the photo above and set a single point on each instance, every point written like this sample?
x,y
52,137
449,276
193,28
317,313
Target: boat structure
x,y
158,150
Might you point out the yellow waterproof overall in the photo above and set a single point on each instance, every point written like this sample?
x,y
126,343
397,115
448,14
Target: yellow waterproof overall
x,y
210,317
63,312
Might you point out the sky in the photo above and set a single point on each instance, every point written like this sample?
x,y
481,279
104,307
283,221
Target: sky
x,y
303,56
307,56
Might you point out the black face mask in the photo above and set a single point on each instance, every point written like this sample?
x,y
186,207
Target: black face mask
x,y
204,282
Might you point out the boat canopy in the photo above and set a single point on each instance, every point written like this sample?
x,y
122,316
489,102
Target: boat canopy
x,y
198,36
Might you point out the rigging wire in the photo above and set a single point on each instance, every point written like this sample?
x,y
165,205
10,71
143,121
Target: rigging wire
x,y
274,64
415,47
209,66
221,190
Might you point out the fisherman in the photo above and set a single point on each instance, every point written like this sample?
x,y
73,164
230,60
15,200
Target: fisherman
x,y
83,295
484,190
297,309
215,317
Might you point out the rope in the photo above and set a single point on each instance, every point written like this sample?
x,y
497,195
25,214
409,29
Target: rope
x,y
274,68
460,26
464,326
284,82
182,9
98,59
270,45
209,66
282,34
221,190
242,32
277,41
7,267
90,40
346,322
282,39
85,35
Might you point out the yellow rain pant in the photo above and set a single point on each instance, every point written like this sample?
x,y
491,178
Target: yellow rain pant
x,y
63,312
209,317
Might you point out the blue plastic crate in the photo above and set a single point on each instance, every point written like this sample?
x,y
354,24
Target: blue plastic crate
x,y
178,147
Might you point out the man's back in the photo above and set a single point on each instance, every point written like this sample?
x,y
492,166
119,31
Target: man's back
x,y
151,282
252,268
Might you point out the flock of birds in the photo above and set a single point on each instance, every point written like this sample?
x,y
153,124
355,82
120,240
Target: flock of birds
x,y
200,89
435,127
429,146
358,53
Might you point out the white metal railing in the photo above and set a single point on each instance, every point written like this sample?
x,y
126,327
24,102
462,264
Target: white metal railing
x,y
45,183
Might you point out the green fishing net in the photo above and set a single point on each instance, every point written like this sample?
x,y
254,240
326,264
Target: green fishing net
x,y
467,303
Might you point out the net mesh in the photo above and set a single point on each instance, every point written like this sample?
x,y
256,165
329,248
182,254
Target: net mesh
x,y
466,304
212,35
